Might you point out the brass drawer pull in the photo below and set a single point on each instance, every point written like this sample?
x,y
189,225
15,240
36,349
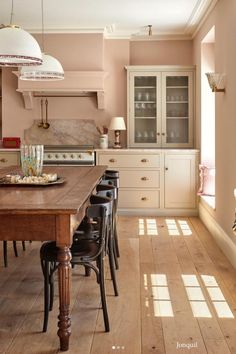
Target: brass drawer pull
x,y
144,198
144,178
144,160
112,160
3,160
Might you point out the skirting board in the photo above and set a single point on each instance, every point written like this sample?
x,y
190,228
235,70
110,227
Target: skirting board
x,y
222,239
158,212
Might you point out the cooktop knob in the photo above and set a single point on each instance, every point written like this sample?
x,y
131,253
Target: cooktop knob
x,y
64,156
49,156
80,156
56,156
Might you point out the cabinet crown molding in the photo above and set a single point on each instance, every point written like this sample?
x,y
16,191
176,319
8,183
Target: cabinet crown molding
x,y
160,67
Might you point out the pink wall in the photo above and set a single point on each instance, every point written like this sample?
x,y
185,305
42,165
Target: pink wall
x,y
89,52
75,51
161,52
223,17
117,54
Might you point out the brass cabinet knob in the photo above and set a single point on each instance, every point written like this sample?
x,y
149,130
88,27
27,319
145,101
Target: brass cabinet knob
x,y
144,178
112,160
163,134
144,198
166,168
158,134
3,160
144,160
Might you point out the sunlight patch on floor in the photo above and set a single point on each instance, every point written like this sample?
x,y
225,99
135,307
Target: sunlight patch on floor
x,y
172,227
147,227
218,300
185,228
151,227
195,296
161,297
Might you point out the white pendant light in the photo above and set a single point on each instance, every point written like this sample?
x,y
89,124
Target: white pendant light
x,y
51,69
18,47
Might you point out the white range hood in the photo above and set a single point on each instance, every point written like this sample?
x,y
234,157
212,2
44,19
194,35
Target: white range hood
x,y
75,84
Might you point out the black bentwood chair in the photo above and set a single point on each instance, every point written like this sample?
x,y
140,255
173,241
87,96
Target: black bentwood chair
x,y
88,249
90,226
112,177
110,191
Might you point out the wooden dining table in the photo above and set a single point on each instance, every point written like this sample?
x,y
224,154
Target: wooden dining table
x,y
52,212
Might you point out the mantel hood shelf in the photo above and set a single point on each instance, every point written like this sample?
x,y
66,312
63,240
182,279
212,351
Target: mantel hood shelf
x,y
75,84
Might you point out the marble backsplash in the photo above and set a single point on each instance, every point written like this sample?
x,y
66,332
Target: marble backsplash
x,y
64,132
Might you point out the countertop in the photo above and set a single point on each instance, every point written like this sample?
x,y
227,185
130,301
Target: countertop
x,y
146,150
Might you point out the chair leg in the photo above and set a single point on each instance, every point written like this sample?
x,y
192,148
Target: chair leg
x,y
87,271
46,296
23,245
103,294
116,241
115,231
112,266
15,248
5,253
51,282
115,254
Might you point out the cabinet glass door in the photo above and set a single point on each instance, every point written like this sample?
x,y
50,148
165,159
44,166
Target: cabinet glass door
x,y
144,110
177,108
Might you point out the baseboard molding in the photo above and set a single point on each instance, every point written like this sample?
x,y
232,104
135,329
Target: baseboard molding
x,y
158,212
220,236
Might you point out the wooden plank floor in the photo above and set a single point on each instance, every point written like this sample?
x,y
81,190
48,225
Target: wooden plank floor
x,y
177,295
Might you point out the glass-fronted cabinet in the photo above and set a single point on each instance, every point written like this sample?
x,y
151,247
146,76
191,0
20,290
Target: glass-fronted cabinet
x,y
160,108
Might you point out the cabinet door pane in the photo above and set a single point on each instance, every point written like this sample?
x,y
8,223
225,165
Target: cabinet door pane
x,y
145,109
177,109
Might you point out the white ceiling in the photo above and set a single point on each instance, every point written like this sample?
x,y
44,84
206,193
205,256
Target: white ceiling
x,y
116,18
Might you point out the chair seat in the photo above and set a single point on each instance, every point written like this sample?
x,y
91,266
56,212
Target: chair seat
x,y
81,251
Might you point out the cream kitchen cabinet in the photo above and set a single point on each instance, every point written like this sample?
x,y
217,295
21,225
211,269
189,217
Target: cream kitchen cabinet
x,y
139,177
155,181
180,180
9,158
160,106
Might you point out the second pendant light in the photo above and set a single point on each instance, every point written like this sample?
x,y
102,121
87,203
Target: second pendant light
x,y
51,68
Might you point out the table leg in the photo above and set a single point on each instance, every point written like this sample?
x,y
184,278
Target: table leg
x,y
64,278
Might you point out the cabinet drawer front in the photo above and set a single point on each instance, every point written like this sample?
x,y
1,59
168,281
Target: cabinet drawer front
x,y
8,159
139,179
130,160
139,199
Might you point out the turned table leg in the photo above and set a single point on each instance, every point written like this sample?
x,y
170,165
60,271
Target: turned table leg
x,y
64,278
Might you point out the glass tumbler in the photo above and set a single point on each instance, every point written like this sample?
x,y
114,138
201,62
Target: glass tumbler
x,y
32,160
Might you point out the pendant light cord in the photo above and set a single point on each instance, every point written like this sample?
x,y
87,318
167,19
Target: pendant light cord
x,y
12,5
42,25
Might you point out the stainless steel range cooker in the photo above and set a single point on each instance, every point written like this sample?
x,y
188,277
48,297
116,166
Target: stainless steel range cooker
x,y
69,155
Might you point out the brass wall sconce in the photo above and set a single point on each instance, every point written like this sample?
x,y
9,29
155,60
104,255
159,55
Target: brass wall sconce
x,y
216,82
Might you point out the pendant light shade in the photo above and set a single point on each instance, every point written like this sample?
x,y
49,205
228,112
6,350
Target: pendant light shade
x,y
50,69
18,48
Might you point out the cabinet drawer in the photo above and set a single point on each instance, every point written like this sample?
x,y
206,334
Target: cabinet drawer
x,y
9,158
139,179
130,160
138,199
